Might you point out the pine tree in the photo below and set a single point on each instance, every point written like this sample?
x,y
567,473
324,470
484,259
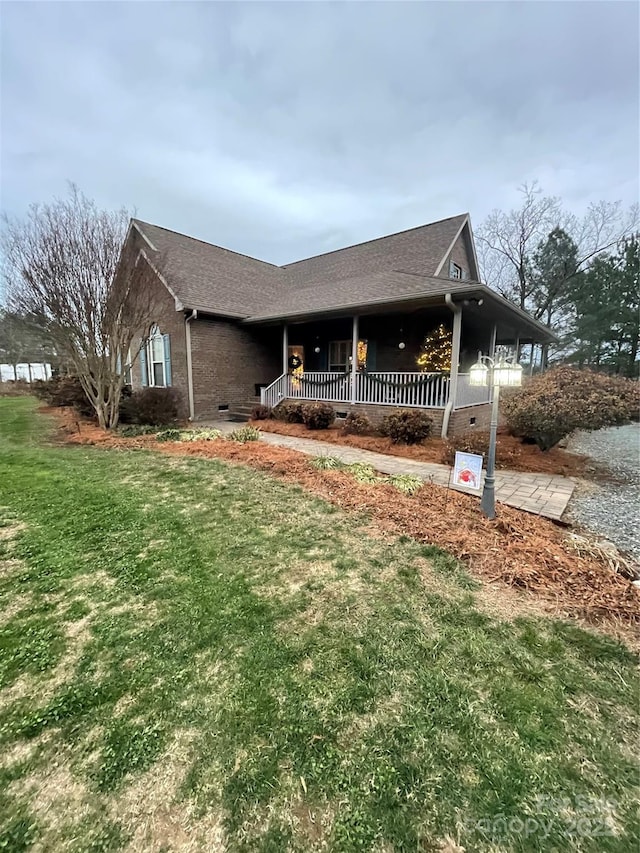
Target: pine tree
x,y
435,352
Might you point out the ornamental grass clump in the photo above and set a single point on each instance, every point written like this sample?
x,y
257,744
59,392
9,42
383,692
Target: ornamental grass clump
x,y
407,426
200,434
318,415
244,434
327,463
554,404
168,435
409,484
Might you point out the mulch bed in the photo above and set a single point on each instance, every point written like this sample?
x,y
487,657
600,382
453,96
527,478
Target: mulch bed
x,y
523,551
512,453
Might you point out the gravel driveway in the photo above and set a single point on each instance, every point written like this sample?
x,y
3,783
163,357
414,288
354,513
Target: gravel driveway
x,y
610,507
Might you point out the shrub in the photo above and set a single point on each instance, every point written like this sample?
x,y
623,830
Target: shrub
x,y
289,411
64,391
555,403
407,426
244,434
474,441
133,430
159,406
357,423
260,413
168,435
318,415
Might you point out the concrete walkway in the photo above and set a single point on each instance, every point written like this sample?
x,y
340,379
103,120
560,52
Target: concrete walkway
x,y
541,494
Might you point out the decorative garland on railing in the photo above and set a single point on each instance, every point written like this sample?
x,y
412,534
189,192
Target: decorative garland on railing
x,y
321,383
415,383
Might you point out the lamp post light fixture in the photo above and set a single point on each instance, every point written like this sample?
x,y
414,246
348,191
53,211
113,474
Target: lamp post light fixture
x,y
494,372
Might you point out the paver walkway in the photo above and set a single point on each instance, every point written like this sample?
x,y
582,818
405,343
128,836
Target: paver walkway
x,y
542,494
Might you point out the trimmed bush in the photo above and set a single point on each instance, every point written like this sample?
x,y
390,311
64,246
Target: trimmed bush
x,y
357,423
289,411
407,426
158,406
261,413
318,415
244,434
554,404
64,391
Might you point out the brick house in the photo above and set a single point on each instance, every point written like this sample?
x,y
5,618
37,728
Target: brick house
x,y
345,327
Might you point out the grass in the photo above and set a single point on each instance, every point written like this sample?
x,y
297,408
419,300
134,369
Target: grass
x,y
196,656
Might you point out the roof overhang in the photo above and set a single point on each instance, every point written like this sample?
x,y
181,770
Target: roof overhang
x,y
494,307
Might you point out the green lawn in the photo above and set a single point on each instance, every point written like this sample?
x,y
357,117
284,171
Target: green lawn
x,y
195,656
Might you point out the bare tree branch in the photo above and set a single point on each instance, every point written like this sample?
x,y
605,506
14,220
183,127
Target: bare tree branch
x,y
62,263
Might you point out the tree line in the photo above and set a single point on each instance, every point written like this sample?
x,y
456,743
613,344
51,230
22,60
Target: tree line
x,y
578,275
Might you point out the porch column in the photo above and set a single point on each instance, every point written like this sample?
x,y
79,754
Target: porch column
x,y
533,353
285,348
517,349
354,358
455,356
494,338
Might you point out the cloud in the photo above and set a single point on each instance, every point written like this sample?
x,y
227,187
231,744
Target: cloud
x,y
283,130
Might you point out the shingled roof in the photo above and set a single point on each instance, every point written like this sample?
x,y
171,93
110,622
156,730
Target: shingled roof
x,y
219,281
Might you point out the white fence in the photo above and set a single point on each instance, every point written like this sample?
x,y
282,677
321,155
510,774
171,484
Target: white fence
x,y
412,390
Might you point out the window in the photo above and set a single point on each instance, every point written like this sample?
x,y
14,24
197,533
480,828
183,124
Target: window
x,y
339,352
340,355
455,271
155,360
128,377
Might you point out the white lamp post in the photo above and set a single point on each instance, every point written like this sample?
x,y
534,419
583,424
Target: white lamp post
x,y
501,370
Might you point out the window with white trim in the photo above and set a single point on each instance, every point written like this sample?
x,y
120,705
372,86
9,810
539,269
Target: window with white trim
x,y
128,376
455,271
157,362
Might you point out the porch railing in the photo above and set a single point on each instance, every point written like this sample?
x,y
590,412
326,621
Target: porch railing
x,y
470,395
406,390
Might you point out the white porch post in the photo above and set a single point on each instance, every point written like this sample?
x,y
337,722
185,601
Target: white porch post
x,y
285,348
517,349
354,359
494,338
455,356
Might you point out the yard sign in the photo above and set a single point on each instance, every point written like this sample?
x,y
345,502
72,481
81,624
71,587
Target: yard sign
x,y
467,470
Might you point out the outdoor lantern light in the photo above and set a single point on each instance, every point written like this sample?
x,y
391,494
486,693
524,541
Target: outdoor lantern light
x,y
401,345
494,372
478,372
317,349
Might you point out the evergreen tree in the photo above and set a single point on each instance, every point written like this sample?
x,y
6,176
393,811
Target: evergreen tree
x,y
435,352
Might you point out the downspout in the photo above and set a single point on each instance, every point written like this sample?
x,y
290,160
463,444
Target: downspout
x,y
455,358
187,329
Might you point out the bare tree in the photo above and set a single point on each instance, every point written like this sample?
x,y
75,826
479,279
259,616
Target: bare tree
x,y
507,241
61,263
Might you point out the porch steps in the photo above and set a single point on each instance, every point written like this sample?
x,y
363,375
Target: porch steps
x,y
243,412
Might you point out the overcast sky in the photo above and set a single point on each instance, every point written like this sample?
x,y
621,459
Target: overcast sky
x,y
284,130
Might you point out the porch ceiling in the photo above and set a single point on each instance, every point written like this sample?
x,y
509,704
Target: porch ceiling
x,y
511,321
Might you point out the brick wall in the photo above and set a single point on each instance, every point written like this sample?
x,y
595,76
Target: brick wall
x,y
170,322
228,360
460,420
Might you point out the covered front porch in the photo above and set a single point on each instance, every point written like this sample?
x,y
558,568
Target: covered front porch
x,y
408,357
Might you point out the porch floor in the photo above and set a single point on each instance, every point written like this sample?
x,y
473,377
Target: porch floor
x,y
542,494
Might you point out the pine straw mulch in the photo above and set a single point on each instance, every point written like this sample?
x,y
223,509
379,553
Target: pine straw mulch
x,y
512,453
523,551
